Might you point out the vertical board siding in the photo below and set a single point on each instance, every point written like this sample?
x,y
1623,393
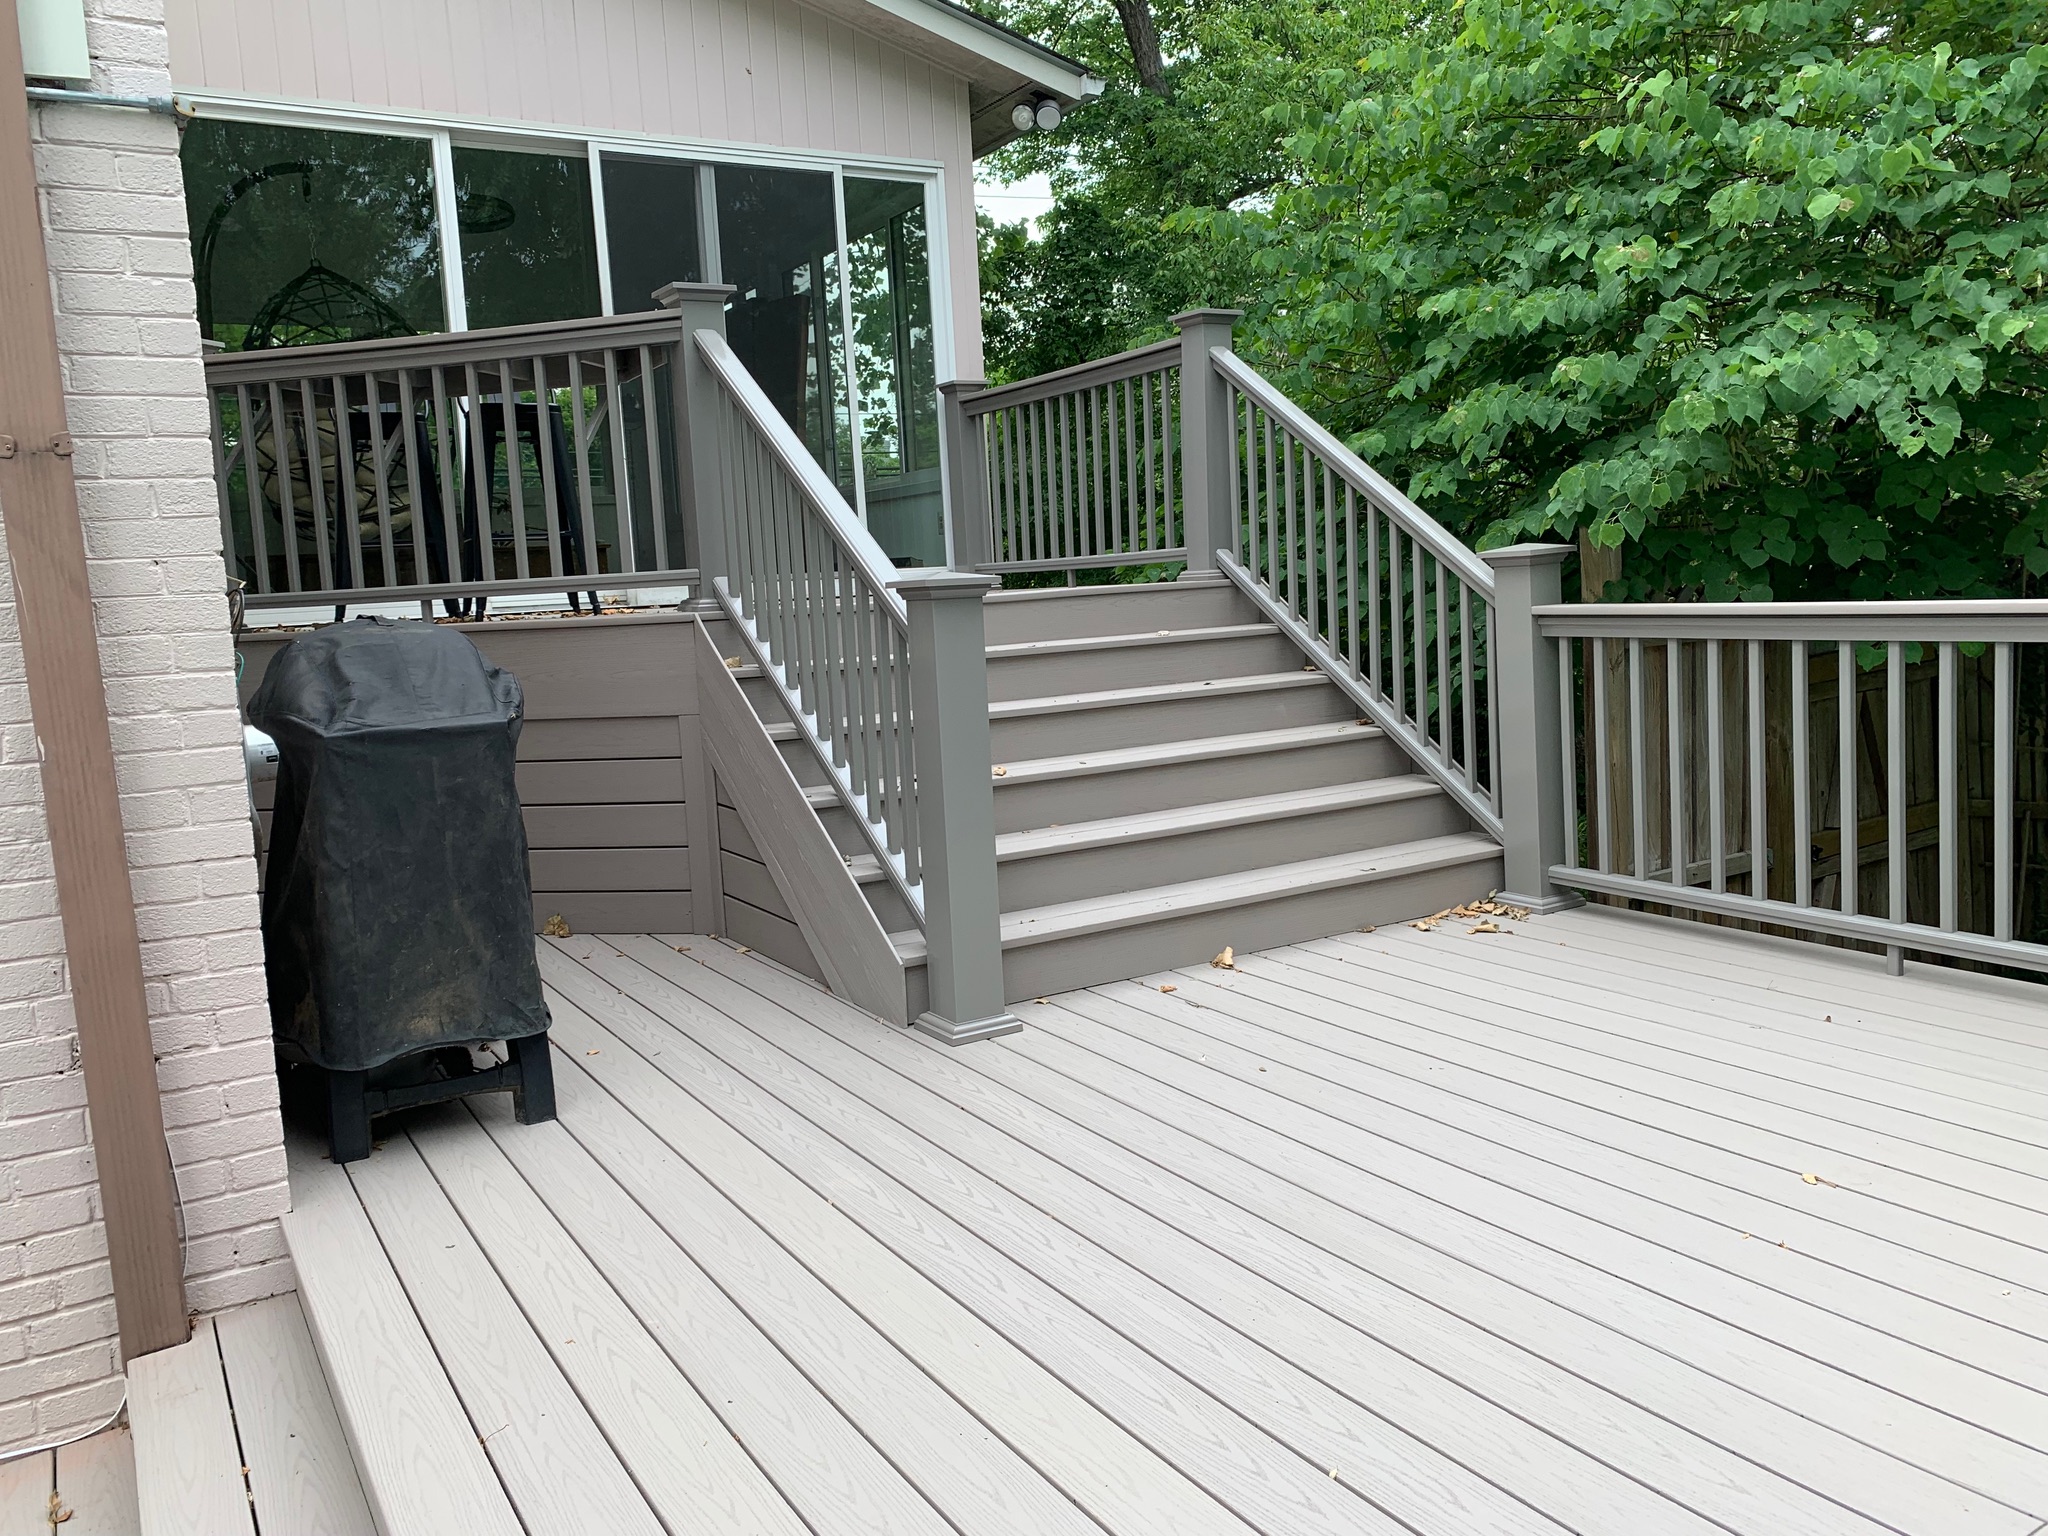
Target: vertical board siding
x,y
766,72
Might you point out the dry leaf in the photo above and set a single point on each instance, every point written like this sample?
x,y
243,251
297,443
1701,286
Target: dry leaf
x,y
59,1514
1169,989
590,1053
1369,928
1001,773
734,662
556,927
1311,667
1226,961
1814,1178
1488,927
743,950
682,949
1041,999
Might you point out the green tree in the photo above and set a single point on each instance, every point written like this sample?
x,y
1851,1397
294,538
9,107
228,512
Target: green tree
x,y
1183,124
1751,293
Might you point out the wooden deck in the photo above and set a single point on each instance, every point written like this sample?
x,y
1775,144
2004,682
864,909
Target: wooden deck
x,y
1604,1225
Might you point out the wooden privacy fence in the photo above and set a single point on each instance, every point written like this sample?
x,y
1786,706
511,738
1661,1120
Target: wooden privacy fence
x,y
1869,771
529,458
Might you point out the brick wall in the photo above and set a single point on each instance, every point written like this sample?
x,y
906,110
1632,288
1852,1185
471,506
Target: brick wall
x,y
114,217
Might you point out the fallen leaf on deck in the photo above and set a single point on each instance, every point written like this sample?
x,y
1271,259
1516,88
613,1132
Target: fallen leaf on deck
x,y
1814,1178
734,661
556,927
1369,928
1486,928
1169,989
1227,961
1001,773
590,1053
1041,999
743,950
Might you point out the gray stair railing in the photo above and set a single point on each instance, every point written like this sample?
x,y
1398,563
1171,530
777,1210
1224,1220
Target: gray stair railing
x,y
883,671
529,458
1716,758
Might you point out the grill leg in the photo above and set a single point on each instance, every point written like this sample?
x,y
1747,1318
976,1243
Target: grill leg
x,y
348,1116
533,1099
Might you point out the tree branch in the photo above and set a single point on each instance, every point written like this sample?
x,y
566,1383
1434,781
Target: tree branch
x,y
1142,33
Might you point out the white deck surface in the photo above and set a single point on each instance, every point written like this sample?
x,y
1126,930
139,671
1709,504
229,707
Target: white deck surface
x,y
1433,1232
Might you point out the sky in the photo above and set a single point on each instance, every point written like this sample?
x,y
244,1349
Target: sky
x,y
1007,202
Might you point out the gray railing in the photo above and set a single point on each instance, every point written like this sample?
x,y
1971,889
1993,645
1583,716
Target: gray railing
x,y
883,671
1395,609
531,458
1849,769
1074,470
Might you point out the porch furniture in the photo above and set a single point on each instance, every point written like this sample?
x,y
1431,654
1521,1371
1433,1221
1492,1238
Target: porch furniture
x,y
396,908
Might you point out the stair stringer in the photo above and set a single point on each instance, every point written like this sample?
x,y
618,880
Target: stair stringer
x,y
847,940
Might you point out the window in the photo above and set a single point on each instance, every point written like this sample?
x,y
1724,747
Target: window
x,y
308,235
529,238
891,296
651,227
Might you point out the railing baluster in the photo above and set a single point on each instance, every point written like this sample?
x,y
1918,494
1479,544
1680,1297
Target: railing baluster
x,y
448,448
1638,803
287,504
1674,713
252,477
1599,797
1151,482
1717,776
1443,664
348,492
515,464
1851,857
2002,790
1895,776
1372,597
1568,737
1487,613
622,477
544,459
1418,657
408,437
1759,825
222,472
1351,579
1950,830
1802,777
1467,692
316,481
580,430
656,502
1397,625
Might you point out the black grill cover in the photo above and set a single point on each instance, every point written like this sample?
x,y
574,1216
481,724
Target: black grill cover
x,y
396,913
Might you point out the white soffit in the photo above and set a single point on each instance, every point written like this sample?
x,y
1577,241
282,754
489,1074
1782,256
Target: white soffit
x,y
53,40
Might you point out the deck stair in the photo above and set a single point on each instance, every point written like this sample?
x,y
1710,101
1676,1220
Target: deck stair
x,y
1171,778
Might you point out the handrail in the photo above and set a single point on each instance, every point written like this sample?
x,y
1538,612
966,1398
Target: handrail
x,y
1353,470
651,328
1690,799
1397,612
1066,381
1968,619
812,595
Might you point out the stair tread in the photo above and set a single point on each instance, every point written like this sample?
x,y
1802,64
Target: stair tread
x,y
1262,682
1070,645
1213,814
1094,914
1189,750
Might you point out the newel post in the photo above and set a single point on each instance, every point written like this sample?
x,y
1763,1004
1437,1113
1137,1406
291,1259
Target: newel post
x,y
1528,735
1207,497
967,530
697,407
956,807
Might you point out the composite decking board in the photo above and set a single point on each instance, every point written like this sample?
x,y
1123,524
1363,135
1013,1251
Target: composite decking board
x,y
1547,1251
690,1470
1723,1191
1997,1007
422,1468
1836,1004
1934,1216
956,1461
813,1453
25,1486
778,1102
1739,1483
188,1467
1096,1461
300,1474
553,1461
96,1493
1860,1141
1998,1126
1688,1011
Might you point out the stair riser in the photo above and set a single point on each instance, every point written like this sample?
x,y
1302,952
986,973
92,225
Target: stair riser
x,y
1108,871
888,905
1120,610
1138,666
1072,733
1022,806
1038,970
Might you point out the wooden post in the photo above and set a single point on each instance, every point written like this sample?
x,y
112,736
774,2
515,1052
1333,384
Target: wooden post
x,y
1206,494
967,510
60,650
956,807
1529,735
698,403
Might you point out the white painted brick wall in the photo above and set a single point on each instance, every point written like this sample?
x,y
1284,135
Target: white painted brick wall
x,y
114,218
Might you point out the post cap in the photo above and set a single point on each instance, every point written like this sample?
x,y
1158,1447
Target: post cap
x,y
936,582
1195,317
1526,554
676,295
963,386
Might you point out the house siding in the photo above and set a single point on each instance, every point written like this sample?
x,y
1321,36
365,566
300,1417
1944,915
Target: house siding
x,y
119,254
760,72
